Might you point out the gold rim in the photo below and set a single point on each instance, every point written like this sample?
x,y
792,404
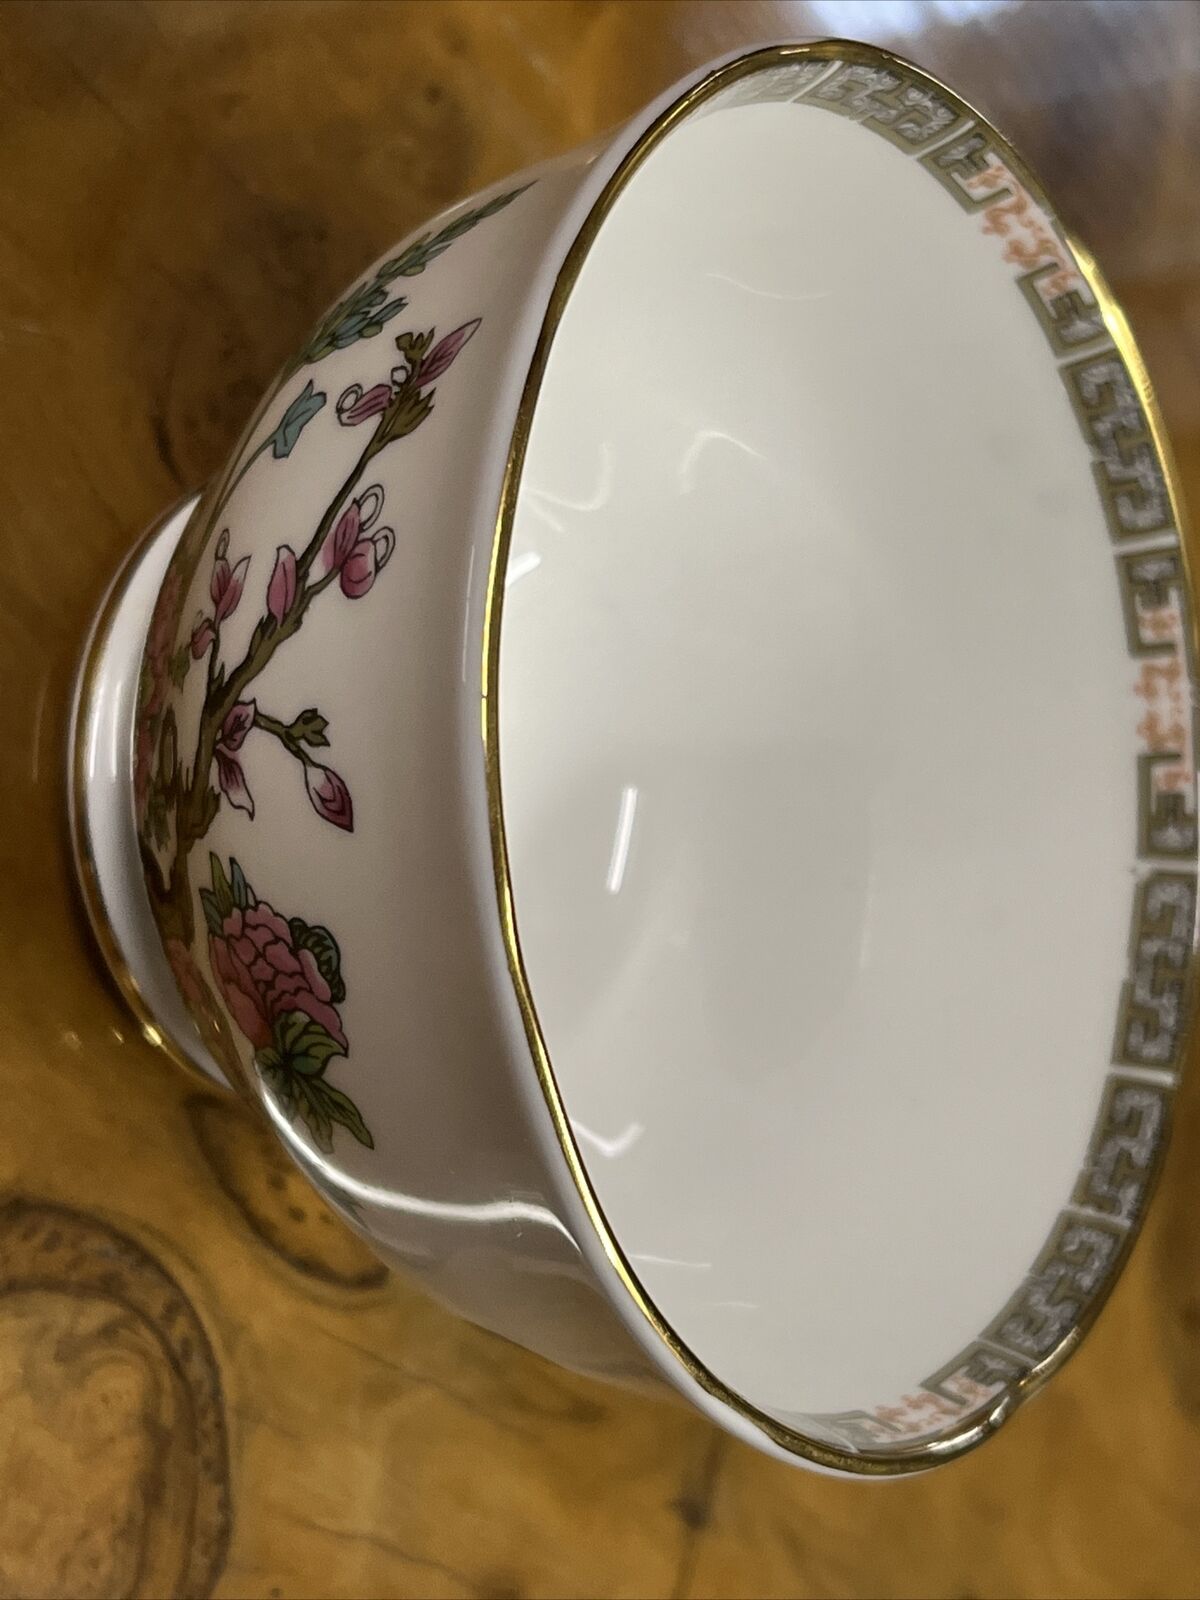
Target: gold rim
x,y
976,1427
87,874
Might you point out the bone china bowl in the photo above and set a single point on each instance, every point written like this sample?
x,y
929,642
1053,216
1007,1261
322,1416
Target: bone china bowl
x,y
665,764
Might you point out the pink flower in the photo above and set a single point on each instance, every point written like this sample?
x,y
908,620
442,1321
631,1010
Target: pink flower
x,y
233,783
352,551
203,635
330,796
444,352
354,406
344,537
281,591
237,724
262,975
368,557
357,405
227,583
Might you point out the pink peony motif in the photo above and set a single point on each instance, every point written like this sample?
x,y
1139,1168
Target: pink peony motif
x,y
262,975
330,796
352,551
230,776
281,591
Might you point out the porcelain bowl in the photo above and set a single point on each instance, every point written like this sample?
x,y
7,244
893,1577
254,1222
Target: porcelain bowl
x,y
665,763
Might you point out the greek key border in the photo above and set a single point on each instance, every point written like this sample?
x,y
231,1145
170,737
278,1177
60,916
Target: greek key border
x,y
1093,1232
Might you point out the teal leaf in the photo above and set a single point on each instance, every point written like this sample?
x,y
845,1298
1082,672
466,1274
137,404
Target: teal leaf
x,y
295,419
222,893
212,914
417,256
324,950
243,896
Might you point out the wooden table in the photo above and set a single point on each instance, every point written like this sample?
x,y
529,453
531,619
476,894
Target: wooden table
x,y
206,1385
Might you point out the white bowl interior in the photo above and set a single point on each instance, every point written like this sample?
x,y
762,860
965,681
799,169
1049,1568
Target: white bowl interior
x,y
815,737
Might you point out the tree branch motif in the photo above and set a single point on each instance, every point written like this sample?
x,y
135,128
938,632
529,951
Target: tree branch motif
x,y
176,804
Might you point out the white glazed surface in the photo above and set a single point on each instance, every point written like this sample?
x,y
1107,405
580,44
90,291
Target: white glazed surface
x,y
102,736
798,606
815,747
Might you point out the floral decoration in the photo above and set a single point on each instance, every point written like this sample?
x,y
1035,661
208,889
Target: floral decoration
x,y
278,982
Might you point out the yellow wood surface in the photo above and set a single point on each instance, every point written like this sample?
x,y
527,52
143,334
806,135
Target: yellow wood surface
x,y
205,1383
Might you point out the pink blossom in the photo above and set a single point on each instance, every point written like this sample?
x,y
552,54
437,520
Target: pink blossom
x,y
237,724
352,551
262,975
354,406
367,558
233,782
357,405
330,796
444,352
226,586
203,635
343,538
281,591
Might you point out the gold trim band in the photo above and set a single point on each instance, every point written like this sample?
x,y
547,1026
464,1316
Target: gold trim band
x,y
1085,1252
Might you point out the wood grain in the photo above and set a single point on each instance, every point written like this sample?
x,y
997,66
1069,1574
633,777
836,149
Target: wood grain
x,y
204,1382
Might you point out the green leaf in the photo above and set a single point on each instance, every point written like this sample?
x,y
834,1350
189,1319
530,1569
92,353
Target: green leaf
x,y
221,890
362,313
408,417
279,1081
340,1108
295,419
417,256
180,662
304,1044
324,950
318,1104
313,1113
212,912
309,727
243,895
